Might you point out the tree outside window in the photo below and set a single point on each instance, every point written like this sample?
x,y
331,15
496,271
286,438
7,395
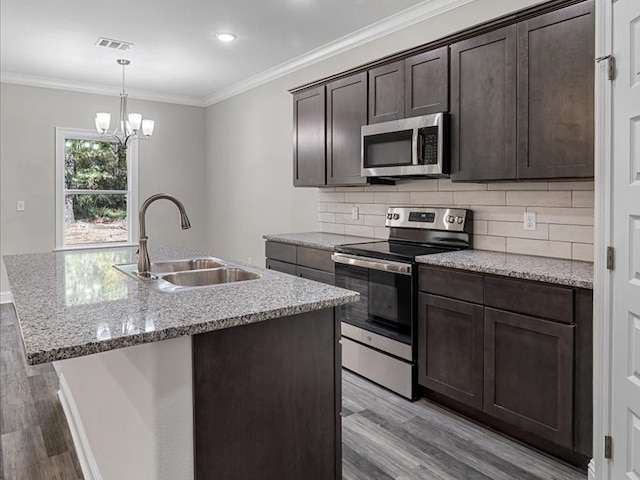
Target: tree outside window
x,y
93,201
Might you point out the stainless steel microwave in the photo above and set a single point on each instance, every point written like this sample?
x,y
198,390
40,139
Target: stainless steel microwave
x,y
408,147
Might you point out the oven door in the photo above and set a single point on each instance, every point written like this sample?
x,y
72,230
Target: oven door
x,y
386,295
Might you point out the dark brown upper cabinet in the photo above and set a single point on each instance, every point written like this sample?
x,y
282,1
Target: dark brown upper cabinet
x,y
483,106
418,85
522,99
555,94
520,90
386,92
346,113
427,83
309,166
326,133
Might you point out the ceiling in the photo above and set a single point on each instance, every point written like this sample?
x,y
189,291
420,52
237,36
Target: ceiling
x,y
175,51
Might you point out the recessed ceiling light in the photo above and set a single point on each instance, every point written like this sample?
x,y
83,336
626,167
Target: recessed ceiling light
x,y
225,37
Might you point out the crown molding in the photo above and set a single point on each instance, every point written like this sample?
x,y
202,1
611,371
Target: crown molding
x,y
410,16
97,89
406,18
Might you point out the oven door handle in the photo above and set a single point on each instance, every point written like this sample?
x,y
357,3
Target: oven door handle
x,y
372,263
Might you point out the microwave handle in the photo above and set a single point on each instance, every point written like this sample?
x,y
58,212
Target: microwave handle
x,y
415,148
420,146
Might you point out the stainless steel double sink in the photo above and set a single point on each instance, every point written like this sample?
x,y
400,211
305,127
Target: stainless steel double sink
x,y
175,275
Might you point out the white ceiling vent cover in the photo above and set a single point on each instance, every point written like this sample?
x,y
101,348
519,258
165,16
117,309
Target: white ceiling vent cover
x,y
113,44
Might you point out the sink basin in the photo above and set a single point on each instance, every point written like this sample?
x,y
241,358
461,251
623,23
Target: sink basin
x,y
201,278
176,275
186,265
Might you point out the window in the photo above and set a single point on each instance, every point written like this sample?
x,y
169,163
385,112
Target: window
x,y
96,191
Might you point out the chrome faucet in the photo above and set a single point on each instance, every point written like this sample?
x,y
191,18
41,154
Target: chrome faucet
x,y
144,265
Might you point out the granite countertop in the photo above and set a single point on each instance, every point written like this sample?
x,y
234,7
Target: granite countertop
x,y
542,269
320,240
76,303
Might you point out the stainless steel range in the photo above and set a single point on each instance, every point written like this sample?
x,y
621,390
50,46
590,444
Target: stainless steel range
x,y
379,332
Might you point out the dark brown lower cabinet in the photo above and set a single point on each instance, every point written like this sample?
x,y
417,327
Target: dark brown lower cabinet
x,y
306,262
279,266
316,275
516,355
528,374
267,400
450,334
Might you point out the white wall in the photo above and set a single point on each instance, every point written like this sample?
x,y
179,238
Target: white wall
x,y
249,141
171,161
135,408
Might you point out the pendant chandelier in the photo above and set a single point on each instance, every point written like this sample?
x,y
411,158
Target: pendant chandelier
x,y
129,125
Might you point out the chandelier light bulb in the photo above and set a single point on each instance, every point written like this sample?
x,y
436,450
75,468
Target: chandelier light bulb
x,y
103,120
135,119
147,127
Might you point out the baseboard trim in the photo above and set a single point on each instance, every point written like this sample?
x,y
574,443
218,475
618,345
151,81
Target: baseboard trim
x,y
591,470
6,297
87,461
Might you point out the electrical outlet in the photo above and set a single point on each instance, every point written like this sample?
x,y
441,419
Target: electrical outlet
x,y
20,206
355,213
250,260
530,221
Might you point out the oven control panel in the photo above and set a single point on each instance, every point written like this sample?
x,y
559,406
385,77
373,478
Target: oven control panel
x,y
427,217
454,219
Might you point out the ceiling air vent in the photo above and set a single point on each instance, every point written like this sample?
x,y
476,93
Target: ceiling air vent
x,y
113,44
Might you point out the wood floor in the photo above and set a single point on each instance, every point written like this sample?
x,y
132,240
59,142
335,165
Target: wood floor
x,y
36,442
384,436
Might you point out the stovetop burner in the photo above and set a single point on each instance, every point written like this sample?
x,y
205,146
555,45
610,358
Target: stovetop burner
x,y
416,231
390,250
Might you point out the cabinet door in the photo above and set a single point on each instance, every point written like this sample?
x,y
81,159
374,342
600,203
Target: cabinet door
x,y
309,168
346,113
450,343
316,275
483,106
279,266
427,83
555,94
528,374
386,92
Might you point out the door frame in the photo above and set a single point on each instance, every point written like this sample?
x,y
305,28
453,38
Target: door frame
x,y
599,468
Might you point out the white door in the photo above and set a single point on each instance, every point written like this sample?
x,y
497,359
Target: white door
x,y
625,374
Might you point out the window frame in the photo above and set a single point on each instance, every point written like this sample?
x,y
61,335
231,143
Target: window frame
x,y
62,134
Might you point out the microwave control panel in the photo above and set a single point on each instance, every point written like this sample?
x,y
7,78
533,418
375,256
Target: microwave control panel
x,y
429,146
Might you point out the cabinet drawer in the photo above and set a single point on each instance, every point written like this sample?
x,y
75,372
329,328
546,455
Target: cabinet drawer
x,y
283,267
451,283
537,299
316,275
315,258
281,251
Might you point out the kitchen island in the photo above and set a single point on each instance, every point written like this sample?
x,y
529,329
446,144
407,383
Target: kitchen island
x,y
239,380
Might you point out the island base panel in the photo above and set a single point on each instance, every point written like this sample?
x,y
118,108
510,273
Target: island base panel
x,y
267,400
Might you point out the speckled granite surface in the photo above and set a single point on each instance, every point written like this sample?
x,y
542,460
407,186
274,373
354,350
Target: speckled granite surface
x,y
321,240
76,303
542,269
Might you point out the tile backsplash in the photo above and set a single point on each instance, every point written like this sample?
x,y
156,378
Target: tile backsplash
x,y
564,212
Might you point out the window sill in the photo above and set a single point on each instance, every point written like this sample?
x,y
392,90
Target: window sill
x,y
94,246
